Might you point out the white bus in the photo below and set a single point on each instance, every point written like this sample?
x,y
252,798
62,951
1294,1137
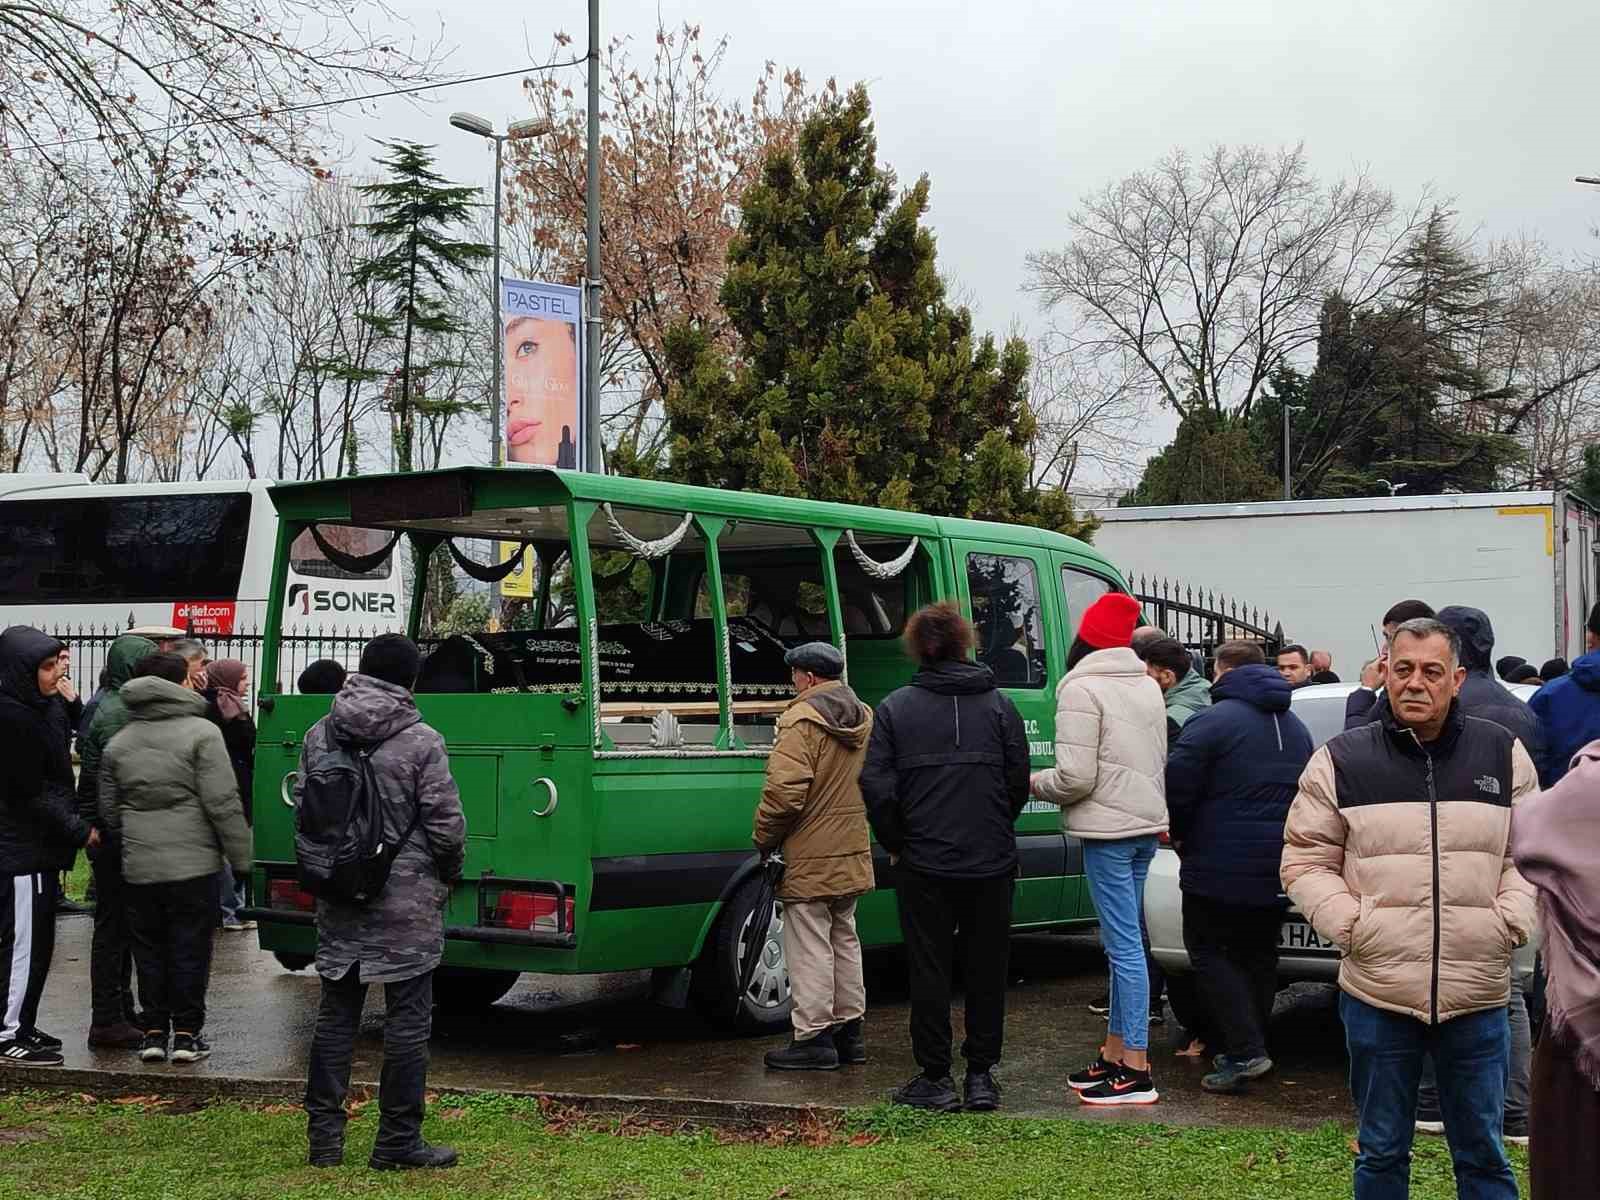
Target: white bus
x,y
197,556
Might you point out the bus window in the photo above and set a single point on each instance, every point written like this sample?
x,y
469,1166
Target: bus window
x,y
133,548
306,557
1005,610
1079,590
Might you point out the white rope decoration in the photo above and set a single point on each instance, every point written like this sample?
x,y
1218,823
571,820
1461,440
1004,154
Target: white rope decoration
x,y
648,550
881,570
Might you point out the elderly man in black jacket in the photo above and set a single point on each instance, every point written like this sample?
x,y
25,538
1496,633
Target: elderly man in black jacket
x,y
945,778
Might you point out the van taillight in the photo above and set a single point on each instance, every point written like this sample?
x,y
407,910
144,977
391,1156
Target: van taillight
x,y
286,894
526,909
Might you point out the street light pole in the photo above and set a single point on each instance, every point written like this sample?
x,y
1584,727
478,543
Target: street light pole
x,y
591,355
517,129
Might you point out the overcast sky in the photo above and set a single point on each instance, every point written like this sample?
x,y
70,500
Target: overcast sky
x,y
1015,108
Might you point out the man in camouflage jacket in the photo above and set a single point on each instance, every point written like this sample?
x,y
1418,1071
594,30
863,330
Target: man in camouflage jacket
x,y
398,938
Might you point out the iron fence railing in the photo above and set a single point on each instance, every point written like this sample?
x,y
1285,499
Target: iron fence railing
x,y
90,643
1203,619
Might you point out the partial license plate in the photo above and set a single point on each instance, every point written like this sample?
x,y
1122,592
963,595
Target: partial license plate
x,y
1298,935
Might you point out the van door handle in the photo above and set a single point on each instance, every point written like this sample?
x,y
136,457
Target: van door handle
x,y
286,788
555,797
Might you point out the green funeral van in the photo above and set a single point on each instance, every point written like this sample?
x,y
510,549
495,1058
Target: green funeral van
x,y
610,754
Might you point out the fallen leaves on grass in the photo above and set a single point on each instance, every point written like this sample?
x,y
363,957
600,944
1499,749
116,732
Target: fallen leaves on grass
x,y
22,1134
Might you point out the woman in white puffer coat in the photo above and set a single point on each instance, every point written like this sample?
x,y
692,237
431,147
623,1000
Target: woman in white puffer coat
x,y
1110,781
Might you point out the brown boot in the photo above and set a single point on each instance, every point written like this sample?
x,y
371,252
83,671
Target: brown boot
x,y
121,1036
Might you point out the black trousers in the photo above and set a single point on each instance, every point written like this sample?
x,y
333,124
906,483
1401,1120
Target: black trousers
x,y
407,1025
111,951
27,944
945,921
1234,952
172,924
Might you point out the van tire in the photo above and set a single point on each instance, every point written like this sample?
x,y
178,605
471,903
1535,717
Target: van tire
x,y
292,962
466,989
716,975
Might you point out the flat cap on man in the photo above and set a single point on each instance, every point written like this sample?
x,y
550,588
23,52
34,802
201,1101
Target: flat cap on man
x,y
820,658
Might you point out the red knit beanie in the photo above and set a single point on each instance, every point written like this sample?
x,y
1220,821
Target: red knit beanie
x,y
1109,621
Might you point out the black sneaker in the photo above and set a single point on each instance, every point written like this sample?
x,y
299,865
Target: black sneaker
x,y
154,1047
850,1041
815,1053
1127,1086
39,1039
1093,1075
19,1053
1102,1006
189,1047
981,1092
422,1158
933,1095
1233,1073
325,1156
1158,1013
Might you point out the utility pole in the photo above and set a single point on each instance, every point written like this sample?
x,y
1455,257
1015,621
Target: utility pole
x,y
1288,485
592,283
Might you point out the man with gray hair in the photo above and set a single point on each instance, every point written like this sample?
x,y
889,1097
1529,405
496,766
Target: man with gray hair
x,y
1397,849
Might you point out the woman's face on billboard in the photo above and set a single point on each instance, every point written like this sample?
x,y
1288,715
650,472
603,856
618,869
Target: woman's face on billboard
x,y
541,362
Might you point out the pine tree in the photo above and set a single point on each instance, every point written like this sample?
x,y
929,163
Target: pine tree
x,y
414,208
852,378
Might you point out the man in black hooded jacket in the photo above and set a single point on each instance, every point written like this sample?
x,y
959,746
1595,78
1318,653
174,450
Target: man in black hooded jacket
x,y
945,779
39,829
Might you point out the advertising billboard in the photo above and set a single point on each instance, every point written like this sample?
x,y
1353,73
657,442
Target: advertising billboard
x,y
541,325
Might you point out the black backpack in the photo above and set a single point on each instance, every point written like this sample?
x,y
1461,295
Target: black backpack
x,y
338,827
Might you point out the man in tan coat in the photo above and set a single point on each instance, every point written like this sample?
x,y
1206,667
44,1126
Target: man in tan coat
x,y
1397,849
811,809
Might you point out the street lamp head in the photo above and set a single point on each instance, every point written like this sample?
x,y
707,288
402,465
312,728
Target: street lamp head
x,y
530,128
472,123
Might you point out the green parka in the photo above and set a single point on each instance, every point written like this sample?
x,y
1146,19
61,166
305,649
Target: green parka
x,y
168,788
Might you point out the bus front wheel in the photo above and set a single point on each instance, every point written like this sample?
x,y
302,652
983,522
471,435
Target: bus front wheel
x,y
462,989
764,1006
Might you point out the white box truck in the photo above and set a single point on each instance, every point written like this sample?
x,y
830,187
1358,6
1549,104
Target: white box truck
x,y
1329,569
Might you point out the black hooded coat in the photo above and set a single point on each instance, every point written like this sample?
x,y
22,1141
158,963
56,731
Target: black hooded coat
x,y
39,825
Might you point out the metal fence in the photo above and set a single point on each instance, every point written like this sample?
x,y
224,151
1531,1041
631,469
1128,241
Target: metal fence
x,y
90,643
1202,620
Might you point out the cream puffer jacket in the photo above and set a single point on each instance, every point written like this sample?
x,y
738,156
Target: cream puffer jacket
x,y
1399,853
1111,749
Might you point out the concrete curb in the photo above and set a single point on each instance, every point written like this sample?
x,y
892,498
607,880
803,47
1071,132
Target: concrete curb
x,y
111,1084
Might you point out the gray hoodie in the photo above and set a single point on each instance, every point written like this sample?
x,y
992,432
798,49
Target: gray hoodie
x,y
167,787
400,935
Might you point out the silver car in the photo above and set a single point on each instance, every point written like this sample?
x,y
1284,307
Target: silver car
x,y
1303,953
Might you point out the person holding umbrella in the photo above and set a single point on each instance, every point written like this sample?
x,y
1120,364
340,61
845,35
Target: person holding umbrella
x,y
811,809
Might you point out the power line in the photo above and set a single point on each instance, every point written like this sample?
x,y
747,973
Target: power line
x,y
307,107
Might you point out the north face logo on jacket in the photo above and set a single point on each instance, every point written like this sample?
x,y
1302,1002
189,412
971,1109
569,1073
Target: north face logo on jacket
x,y
1488,785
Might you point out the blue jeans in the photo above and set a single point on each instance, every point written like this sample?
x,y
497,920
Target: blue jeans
x,y
230,896
1116,871
1472,1056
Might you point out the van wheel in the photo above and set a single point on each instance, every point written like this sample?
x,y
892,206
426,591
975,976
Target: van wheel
x,y
463,989
292,962
765,1006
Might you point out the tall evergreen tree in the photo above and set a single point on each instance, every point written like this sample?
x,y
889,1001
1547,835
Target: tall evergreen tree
x,y
853,378
414,211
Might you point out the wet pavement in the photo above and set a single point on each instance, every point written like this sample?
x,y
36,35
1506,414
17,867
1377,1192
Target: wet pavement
x,y
603,1036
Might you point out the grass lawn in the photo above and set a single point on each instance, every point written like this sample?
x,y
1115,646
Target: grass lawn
x,y
76,880
138,1148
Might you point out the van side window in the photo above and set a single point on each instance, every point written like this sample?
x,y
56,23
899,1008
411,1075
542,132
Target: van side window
x,y
781,589
872,607
1005,610
1079,590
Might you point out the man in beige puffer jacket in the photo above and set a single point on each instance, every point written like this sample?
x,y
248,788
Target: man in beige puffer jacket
x,y
1397,849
